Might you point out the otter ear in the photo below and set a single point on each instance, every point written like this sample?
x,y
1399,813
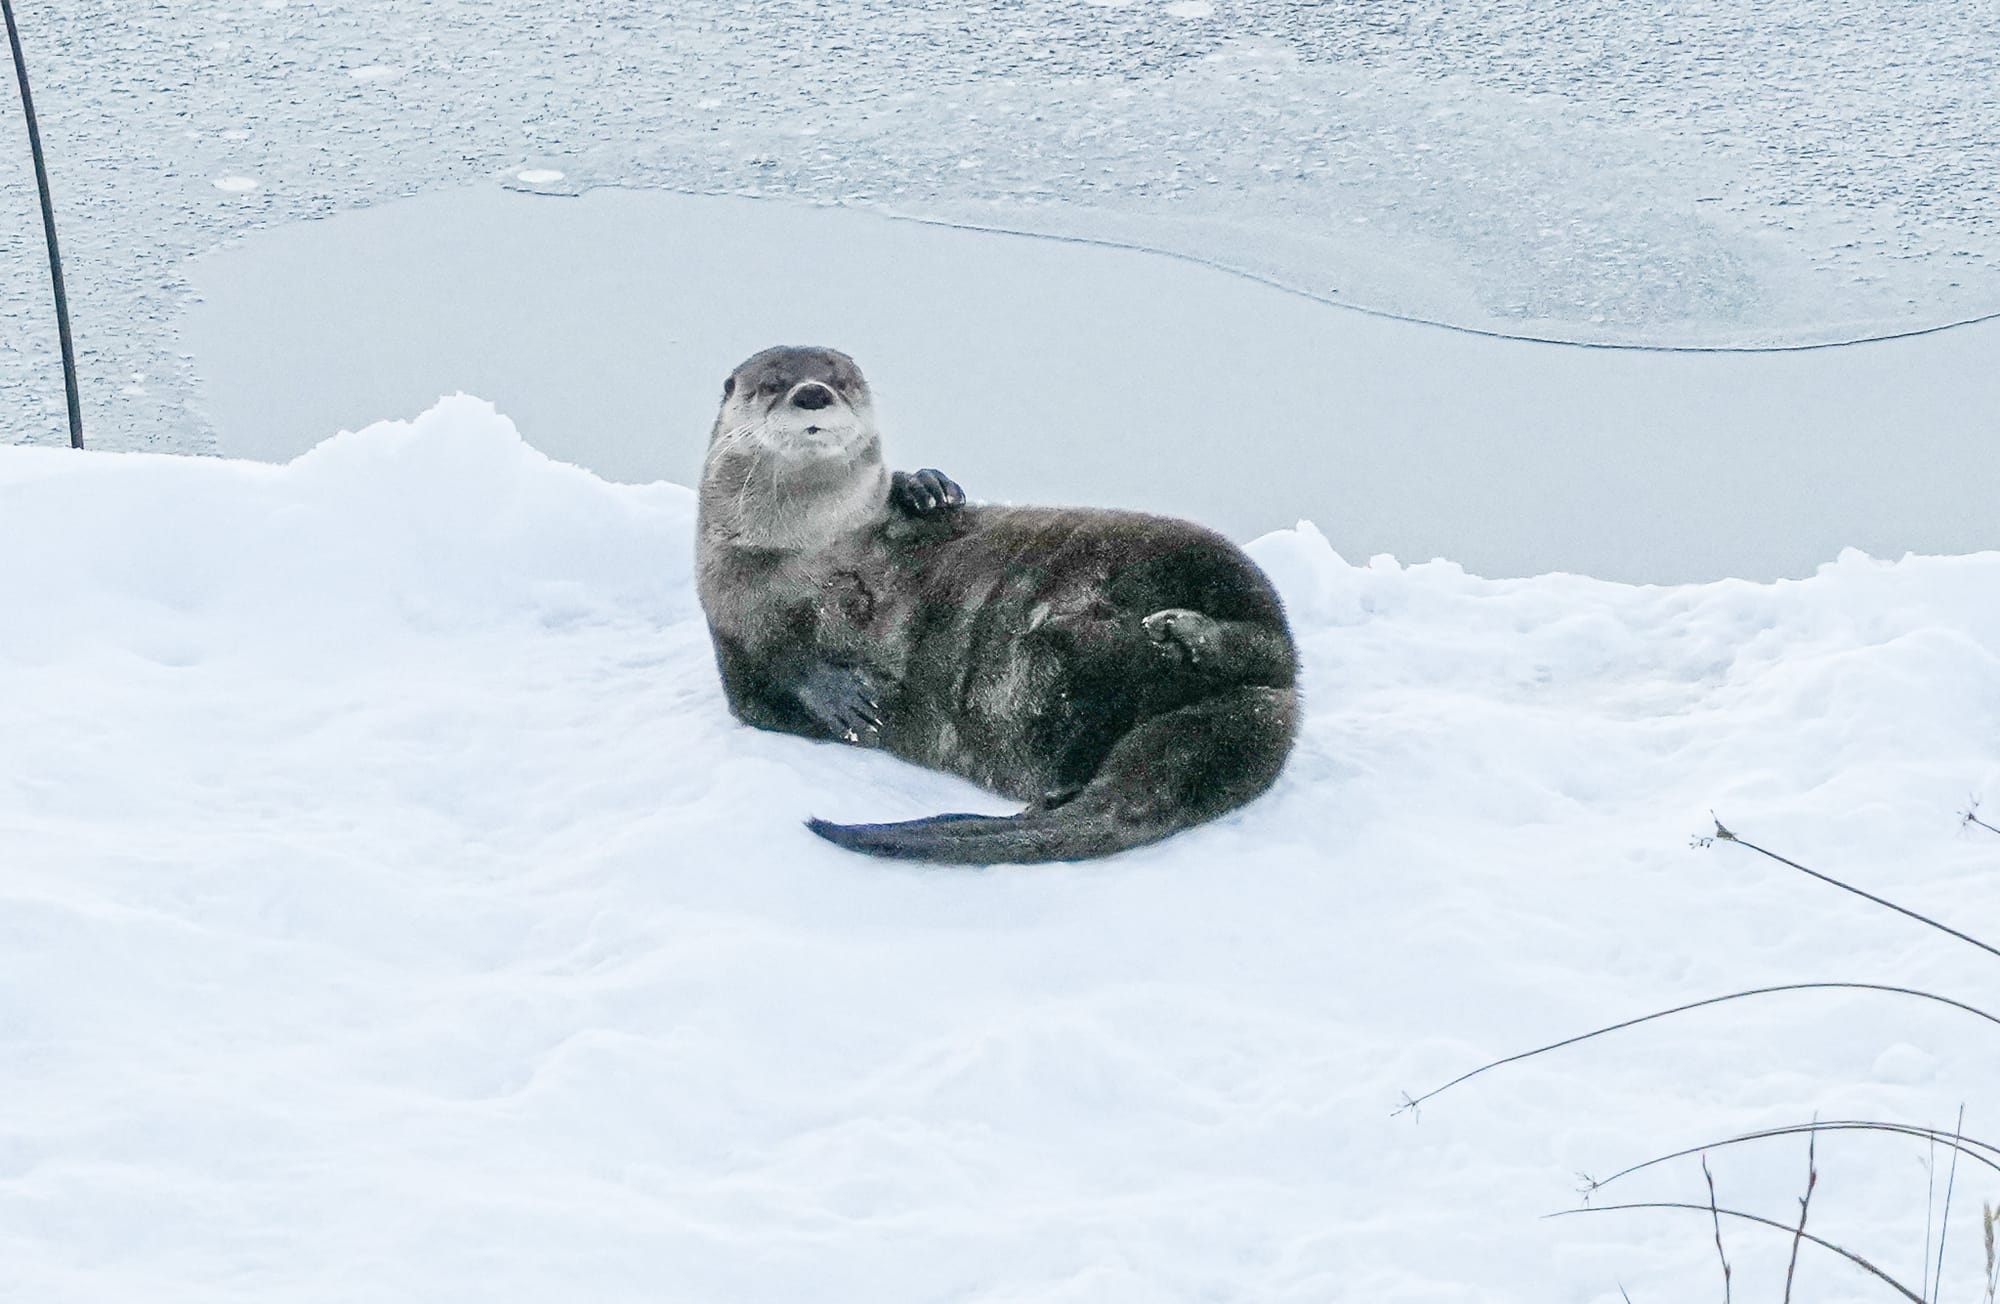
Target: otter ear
x,y
728,387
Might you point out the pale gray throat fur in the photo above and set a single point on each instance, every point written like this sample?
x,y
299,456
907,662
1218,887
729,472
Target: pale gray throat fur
x,y
758,493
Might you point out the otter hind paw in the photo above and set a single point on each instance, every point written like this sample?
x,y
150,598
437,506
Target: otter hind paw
x,y
847,700
922,492
1189,632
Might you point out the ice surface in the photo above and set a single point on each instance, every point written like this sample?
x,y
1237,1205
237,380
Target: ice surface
x,y
391,911
1701,173
1040,371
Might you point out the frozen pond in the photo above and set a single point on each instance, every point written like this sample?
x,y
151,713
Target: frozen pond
x,y
1714,172
1042,370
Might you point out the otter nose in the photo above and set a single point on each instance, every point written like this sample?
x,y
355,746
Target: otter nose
x,y
811,396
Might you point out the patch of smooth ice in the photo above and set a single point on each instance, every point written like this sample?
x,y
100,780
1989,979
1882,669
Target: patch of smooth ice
x,y
1038,370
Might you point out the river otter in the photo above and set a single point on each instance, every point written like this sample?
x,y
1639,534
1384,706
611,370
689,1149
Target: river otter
x,y
1125,675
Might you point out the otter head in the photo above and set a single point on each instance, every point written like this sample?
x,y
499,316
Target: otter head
x,y
800,405
794,457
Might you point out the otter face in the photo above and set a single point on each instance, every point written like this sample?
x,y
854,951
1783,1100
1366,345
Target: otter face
x,y
798,404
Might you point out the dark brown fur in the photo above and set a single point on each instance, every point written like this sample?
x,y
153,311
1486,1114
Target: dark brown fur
x,y
1124,675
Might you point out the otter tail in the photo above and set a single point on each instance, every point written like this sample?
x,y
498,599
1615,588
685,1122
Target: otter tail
x,y
1169,773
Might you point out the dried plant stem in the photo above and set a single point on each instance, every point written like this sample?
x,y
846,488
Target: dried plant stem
x,y
1410,1103
48,229
1944,1221
1716,1214
1979,1151
1847,1254
1805,1203
1992,1218
1930,1210
1724,835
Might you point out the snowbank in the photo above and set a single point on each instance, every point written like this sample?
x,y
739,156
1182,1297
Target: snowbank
x,y
390,910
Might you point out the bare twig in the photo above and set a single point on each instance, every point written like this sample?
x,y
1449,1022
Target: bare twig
x,y
1930,1209
1724,835
1410,1103
1805,1203
1716,1214
1849,1255
1979,1151
1944,1221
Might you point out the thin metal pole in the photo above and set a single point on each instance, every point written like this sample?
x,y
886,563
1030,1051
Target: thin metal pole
x,y
48,229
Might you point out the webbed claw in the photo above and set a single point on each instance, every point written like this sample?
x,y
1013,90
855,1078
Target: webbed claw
x,y
921,493
845,699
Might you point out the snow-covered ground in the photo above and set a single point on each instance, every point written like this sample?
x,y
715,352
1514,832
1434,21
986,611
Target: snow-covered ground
x,y
1702,172
1036,370
389,910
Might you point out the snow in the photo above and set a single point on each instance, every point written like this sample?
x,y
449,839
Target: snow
x,y
391,911
389,908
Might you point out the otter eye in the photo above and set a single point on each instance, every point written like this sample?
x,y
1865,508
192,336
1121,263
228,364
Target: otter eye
x,y
728,387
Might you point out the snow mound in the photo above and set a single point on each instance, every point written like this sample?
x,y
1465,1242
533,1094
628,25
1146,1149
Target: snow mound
x,y
403,527
389,909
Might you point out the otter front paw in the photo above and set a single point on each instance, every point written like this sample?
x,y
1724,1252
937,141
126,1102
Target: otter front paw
x,y
922,492
1187,633
846,700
